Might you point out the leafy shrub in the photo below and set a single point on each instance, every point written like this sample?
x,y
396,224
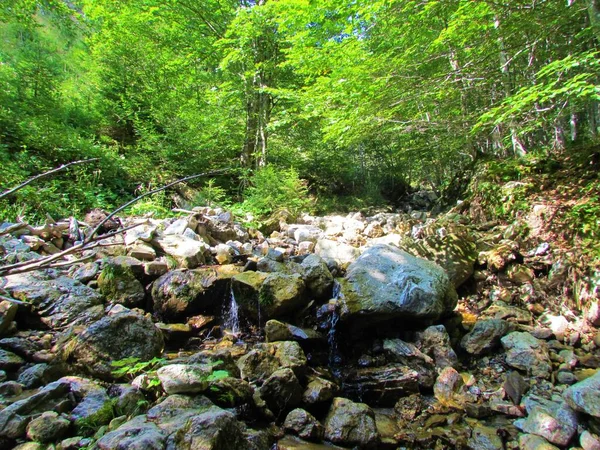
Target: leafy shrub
x,y
210,195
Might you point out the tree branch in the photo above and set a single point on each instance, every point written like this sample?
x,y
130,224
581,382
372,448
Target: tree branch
x,y
45,174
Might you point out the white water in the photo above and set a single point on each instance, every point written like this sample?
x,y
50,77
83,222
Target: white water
x,y
231,317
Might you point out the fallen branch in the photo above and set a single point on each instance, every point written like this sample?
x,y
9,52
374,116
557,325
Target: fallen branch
x,y
45,174
122,207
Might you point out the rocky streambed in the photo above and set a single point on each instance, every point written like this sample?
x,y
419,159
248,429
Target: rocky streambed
x,y
390,331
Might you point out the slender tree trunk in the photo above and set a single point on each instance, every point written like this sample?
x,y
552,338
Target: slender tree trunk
x,y
594,14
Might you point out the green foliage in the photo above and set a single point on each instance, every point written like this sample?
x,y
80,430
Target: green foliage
x,y
132,367
274,190
217,375
211,195
87,426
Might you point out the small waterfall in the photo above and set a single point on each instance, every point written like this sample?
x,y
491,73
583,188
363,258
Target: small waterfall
x,y
231,316
335,356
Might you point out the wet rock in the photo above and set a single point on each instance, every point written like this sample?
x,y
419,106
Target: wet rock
x,y
435,342
179,294
319,390
485,336
303,424
534,442
449,389
382,385
119,285
410,356
317,277
386,284
137,434
48,427
60,302
351,424
281,391
525,352
485,438
554,421
281,294
585,395
8,311
15,417
115,337
214,429
184,378
188,252
246,289
280,331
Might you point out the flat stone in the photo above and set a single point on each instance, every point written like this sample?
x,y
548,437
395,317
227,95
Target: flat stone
x,y
585,395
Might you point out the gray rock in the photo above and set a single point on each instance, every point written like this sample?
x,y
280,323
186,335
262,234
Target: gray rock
x,y
61,302
554,421
177,227
184,378
585,395
280,331
142,251
86,272
382,385
137,434
115,337
319,390
173,412
41,374
188,252
534,442
48,427
410,356
524,352
281,391
95,406
342,253
317,277
386,284
450,390
281,294
10,388
15,417
214,429
435,342
485,336
230,392
304,424
119,285
9,362
351,424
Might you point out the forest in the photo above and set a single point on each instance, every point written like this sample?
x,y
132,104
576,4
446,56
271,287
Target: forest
x,y
320,105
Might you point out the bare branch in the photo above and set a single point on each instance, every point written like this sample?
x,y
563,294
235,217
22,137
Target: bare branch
x,y
45,174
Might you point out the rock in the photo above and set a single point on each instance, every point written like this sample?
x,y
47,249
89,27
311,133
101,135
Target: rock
x,y
60,302
554,421
119,285
48,427
95,406
449,389
180,294
123,335
137,434
342,253
386,284
485,336
8,311
317,277
15,417
407,408
410,356
319,390
184,378
10,388
533,442
589,441
485,438
305,233
520,274
455,252
303,424
230,392
214,429
281,294
585,395
525,352
86,272
351,424
500,256
223,254
188,252
281,391
435,342
9,362
515,386
262,361
142,251
41,374
295,443
501,310
172,413
382,385
280,331
177,227
246,289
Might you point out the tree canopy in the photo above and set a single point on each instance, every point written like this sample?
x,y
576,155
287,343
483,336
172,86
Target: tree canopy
x,y
363,99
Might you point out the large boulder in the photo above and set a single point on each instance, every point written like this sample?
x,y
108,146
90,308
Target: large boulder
x,y
180,294
119,285
137,434
351,424
317,277
386,283
341,253
123,335
188,253
60,302
555,421
585,395
281,391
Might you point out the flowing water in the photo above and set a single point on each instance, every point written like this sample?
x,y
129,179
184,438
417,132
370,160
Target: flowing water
x,y
231,316
335,356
